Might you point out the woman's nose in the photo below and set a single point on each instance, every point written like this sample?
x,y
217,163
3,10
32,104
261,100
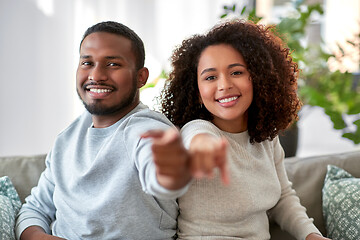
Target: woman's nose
x,y
224,83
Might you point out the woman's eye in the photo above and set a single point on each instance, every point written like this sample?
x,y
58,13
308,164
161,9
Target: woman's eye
x,y
237,73
209,78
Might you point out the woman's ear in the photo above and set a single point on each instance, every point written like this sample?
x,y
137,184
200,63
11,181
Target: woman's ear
x,y
142,76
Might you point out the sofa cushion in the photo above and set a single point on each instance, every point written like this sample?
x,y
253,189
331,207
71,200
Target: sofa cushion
x,y
307,175
9,206
341,204
23,171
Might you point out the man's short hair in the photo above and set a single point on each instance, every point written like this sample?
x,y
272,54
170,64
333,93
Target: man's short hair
x,y
121,30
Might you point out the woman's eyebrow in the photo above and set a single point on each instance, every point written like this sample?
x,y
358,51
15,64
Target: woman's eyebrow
x,y
230,66
236,65
207,70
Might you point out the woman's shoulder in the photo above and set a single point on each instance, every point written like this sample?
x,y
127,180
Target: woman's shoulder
x,y
200,125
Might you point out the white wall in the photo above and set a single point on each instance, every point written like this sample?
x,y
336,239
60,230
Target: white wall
x,y
39,41
36,83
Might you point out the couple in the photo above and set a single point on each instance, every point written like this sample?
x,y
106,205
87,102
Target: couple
x,y
122,171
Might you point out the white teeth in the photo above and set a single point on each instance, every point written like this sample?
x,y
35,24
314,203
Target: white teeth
x,y
226,100
97,90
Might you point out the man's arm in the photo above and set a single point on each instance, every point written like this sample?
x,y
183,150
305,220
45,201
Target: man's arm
x,y
36,233
30,214
170,157
175,166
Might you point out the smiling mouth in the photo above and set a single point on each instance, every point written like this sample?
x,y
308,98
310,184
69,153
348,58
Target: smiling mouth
x,y
99,90
226,100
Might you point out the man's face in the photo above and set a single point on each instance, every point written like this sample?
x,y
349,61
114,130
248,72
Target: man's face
x,y
106,78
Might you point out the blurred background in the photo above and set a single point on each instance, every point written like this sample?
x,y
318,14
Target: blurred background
x,y
39,43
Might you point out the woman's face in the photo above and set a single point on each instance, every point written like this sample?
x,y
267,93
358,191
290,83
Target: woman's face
x,y
225,86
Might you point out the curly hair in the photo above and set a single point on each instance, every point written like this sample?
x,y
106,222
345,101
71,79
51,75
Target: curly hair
x,y
272,71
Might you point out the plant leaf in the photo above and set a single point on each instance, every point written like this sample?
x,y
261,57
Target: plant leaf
x,y
350,42
243,10
224,15
355,135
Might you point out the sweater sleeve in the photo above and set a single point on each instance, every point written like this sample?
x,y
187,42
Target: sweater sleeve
x,y
288,212
38,209
195,127
140,151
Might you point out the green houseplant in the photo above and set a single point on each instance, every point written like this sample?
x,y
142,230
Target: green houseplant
x,y
334,91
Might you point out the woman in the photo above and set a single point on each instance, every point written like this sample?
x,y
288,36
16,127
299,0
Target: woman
x,y
231,91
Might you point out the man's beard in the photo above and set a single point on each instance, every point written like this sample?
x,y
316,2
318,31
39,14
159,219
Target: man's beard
x,y
98,109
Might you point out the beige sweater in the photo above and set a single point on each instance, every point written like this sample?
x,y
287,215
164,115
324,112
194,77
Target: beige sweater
x,y
258,187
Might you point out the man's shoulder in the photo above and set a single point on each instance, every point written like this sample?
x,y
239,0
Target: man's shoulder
x,y
83,121
144,115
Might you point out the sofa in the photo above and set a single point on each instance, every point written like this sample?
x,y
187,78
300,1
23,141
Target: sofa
x,y
306,174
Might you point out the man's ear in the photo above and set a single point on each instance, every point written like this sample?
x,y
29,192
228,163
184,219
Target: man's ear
x,y
142,77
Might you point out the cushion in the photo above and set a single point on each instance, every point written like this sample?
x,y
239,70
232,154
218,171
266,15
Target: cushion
x,y
9,206
341,204
308,174
23,171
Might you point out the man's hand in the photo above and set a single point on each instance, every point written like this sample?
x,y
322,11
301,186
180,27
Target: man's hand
x,y
36,233
170,157
208,153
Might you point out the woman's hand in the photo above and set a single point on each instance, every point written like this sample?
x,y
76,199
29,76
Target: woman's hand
x,y
315,236
206,154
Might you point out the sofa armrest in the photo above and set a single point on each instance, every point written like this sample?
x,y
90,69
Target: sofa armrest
x,y
307,176
23,171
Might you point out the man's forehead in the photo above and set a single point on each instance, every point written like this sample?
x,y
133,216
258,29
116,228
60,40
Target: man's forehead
x,y
105,40
109,57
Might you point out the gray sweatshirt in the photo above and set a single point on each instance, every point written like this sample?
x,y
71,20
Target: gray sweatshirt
x,y
99,183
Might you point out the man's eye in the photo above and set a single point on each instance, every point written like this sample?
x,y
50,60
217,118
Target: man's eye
x,y
86,63
112,64
209,78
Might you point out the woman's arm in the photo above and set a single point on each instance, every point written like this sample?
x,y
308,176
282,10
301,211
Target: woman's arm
x,y
314,236
288,212
206,154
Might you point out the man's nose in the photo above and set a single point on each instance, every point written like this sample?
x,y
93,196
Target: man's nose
x,y
98,74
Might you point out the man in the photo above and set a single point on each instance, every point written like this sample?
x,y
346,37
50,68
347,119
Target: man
x,y
100,178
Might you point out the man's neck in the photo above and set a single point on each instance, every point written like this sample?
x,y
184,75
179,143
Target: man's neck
x,y
103,121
